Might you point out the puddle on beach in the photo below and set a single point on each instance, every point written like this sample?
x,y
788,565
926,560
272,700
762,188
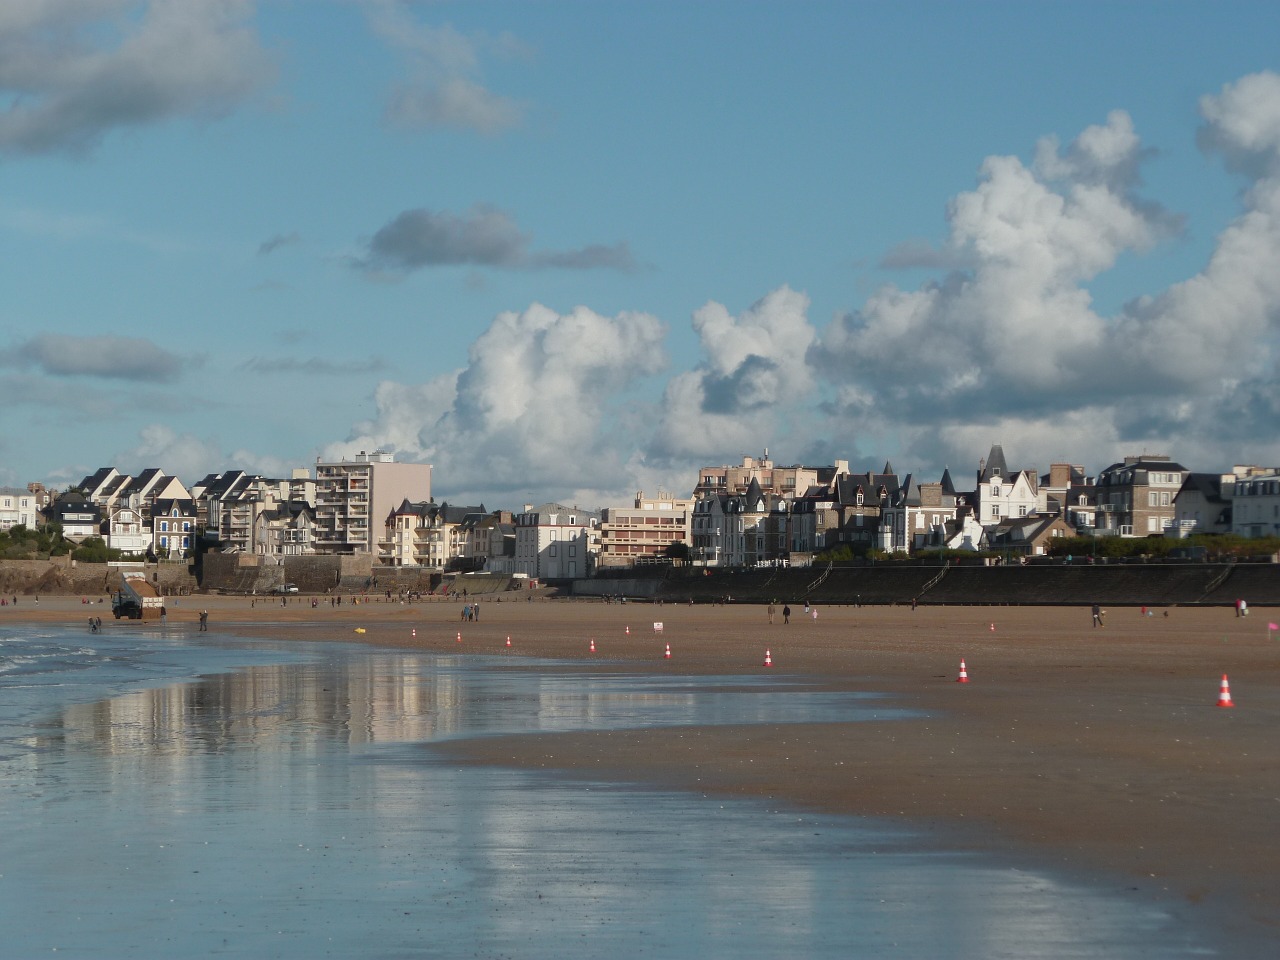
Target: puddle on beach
x,y
287,809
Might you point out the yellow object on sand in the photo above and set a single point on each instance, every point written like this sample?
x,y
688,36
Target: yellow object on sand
x,y
359,629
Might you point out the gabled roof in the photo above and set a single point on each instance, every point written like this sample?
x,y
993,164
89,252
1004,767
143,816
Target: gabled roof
x,y
1208,485
93,481
114,487
143,482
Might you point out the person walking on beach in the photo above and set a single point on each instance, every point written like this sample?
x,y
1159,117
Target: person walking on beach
x,y
786,614
771,611
204,621
1097,615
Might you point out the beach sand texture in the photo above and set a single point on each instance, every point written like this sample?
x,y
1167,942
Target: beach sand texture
x,y
1090,749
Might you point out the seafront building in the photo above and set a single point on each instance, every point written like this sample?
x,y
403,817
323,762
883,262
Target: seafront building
x,y
17,508
555,542
354,497
753,513
645,532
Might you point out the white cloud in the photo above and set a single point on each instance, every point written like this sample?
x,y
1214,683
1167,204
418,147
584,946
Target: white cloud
x,y
754,369
1007,347
190,458
535,409
1014,338
442,89
77,70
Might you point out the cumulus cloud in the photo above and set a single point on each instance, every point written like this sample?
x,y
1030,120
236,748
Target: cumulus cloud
x,y
755,367
1011,344
442,88
485,236
73,71
535,408
108,356
1004,345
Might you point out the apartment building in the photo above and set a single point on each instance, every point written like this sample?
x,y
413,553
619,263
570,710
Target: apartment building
x,y
772,480
1255,502
1136,496
427,534
739,530
354,497
644,531
556,542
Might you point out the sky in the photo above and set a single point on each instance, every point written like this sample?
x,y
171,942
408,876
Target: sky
x,y
570,251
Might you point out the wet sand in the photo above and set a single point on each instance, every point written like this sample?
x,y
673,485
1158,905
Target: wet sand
x,y
1091,750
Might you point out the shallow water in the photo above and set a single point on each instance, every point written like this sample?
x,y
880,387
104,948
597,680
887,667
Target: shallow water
x,y
286,807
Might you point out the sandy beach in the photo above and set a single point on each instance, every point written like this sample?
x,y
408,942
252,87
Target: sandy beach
x,y
1099,750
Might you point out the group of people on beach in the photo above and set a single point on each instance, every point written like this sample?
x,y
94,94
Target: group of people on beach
x,y
471,611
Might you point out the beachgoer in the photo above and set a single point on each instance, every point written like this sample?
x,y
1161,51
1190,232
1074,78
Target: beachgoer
x,y
164,615
771,611
204,620
786,614
1097,615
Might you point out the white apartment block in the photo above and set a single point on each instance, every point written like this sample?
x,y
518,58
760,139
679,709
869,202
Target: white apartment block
x,y
555,542
354,498
1255,504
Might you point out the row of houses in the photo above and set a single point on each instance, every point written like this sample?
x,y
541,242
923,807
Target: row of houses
x,y
747,514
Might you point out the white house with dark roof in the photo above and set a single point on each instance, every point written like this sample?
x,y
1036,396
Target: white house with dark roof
x,y
126,530
78,516
1255,504
1002,493
555,542
17,508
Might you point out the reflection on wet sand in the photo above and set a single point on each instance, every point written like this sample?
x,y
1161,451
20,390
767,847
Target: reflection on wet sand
x,y
290,811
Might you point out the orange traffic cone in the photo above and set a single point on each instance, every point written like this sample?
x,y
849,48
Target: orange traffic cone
x,y
993,628
628,631
667,655
1224,698
593,645
964,674
508,642
768,659
459,636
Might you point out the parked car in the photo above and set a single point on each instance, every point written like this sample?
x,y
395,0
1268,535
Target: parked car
x,y
286,588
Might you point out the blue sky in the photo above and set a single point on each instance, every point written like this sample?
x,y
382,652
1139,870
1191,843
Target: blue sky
x,y
571,250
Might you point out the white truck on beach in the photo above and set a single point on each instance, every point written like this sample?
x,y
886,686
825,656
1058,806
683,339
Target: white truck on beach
x,y
136,599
